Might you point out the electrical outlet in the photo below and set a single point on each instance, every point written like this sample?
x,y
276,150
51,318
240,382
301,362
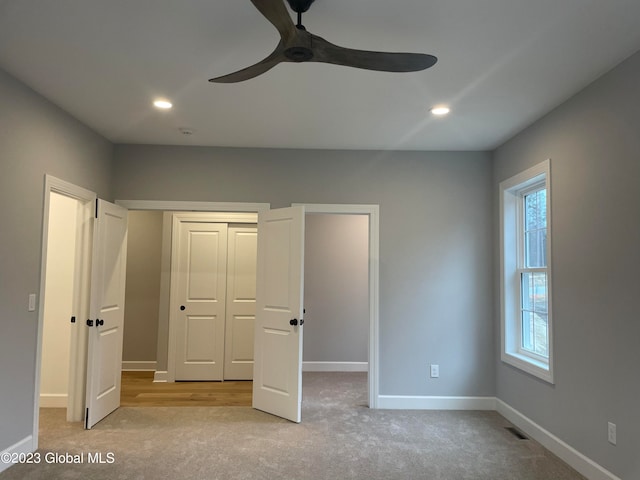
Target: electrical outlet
x,y
611,433
32,302
435,370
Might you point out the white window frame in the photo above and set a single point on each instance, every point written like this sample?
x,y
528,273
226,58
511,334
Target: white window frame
x,y
512,191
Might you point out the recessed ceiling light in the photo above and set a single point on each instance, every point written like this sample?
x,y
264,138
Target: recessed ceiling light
x,y
162,104
440,110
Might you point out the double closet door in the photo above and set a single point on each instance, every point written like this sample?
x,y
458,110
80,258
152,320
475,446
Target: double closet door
x,y
213,285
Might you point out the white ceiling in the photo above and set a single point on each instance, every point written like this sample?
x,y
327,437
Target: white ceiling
x,y
502,64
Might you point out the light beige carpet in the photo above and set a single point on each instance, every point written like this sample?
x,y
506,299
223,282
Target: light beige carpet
x,y
339,438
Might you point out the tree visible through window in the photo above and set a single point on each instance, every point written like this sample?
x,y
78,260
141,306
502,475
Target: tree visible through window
x,y
533,275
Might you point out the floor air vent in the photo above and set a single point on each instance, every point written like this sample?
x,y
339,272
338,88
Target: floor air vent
x,y
517,433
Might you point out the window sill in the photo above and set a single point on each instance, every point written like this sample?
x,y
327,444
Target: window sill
x,y
529,365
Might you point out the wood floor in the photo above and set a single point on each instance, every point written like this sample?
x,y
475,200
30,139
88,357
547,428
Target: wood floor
x,y
138,390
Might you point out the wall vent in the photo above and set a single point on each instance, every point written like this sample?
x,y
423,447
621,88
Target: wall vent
x,y
516,433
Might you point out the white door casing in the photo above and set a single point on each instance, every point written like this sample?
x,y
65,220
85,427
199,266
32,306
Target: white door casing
x,y
106,322
241,302
199,277
277,382
372,211
79,338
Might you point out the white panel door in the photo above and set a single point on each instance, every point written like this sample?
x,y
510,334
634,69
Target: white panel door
x,y
277,377
199,270
241,303
104,359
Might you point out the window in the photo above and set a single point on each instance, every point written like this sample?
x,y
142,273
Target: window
x,y
526,273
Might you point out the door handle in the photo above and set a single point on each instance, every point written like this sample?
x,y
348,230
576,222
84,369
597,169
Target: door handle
x,y
182,307
99,323
295,321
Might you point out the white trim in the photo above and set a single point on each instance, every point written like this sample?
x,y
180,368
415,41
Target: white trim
x,y
335,366
373,211
216,217
53,400
138,366
338,208
192,206
510,351
26,445
528,364
161,376
69,189
584,465
417,402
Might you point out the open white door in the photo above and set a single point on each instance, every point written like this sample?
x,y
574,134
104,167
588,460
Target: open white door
x,y
277,374
104,359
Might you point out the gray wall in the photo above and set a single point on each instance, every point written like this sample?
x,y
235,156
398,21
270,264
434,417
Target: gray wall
x,y
336,288
142,296
435,232
35,138
593,141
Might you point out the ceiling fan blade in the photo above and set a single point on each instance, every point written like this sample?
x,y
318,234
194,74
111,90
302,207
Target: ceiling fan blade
x,y
276,12
259,68
327,52
298,45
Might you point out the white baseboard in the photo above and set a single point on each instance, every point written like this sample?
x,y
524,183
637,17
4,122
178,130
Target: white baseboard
x,y
25,445
584,465
335,366
53,400
160,376
138,366
415,402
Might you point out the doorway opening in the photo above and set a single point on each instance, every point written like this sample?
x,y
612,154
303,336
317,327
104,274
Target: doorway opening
x,y
64,299
336,301
59,299
368,212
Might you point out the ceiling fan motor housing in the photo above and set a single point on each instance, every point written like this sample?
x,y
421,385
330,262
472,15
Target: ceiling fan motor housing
x,y
300,6
298,54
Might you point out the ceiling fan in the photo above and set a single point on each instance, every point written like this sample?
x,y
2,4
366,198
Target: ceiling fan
x,y
298,45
